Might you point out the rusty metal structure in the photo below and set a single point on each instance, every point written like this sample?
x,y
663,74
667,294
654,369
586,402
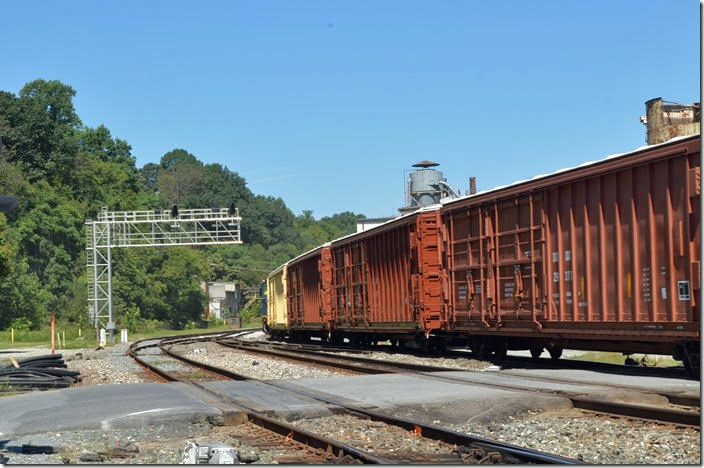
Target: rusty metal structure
x,y
667,120
604,256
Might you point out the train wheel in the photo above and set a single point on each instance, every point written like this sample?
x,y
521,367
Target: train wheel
x,y
500,349
481,347
555,353
536,352
692,359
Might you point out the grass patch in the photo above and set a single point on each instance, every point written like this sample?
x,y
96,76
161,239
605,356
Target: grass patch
x,y
88,339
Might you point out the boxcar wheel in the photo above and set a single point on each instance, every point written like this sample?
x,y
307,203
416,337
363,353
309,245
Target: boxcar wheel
x,y
481,347
692,359
500,349
536,352
555,353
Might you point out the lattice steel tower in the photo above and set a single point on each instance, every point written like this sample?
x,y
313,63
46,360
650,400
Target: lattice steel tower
x,y
157,228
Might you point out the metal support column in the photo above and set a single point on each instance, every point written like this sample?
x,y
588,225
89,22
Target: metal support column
x,y
157,228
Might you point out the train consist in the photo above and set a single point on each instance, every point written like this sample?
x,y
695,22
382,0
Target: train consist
x,y
604,256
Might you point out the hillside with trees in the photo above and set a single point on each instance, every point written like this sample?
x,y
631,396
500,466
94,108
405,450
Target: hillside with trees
x,y
63,172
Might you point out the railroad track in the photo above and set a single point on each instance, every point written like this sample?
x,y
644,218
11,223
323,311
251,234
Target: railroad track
x,y
685,414
313,448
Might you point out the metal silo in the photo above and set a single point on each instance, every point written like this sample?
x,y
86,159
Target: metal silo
x,y
426,186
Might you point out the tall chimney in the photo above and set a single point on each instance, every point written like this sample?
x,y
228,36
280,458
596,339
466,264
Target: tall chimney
x,y
472,185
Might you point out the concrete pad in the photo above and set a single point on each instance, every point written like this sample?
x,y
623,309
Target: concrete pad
x,y
650,384
426,398
270,400
100,406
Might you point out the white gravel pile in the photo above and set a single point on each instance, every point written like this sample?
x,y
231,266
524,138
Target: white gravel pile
x,y
250,365
106,366
448,362
597,439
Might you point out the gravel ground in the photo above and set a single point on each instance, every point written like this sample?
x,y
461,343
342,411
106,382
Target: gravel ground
x,y
597,439
104,366
449,362
254,366
381,439
155,444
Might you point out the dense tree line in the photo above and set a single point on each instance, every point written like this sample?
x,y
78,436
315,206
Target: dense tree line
x,y
63,172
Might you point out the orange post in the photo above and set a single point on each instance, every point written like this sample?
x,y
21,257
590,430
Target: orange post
x,y
53,325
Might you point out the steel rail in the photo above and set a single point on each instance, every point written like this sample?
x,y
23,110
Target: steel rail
x,y
430,431
285,430
674,397
375,366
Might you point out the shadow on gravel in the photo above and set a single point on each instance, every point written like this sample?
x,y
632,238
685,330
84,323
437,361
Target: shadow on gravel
x,y
611,369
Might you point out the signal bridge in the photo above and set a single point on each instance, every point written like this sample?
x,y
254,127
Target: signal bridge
x,y
155,228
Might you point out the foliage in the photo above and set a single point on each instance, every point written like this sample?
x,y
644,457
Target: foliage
x,y
21,324
22,295
131,319
6,250
64,172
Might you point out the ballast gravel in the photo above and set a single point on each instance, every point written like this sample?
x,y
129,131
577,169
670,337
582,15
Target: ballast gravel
x,y
378,438
110,365
596,439
448,362
161,445
251,365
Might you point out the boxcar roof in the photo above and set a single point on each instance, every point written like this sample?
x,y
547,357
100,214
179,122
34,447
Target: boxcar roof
x,y
568,169
495,189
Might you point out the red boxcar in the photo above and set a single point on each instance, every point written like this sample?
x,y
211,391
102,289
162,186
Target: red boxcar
x,y
604,256
599,257
372,275
305,306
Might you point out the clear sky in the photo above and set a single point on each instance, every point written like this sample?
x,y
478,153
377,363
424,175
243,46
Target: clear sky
x,y
325,103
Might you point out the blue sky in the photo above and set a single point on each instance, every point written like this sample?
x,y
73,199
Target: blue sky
x,y
325,103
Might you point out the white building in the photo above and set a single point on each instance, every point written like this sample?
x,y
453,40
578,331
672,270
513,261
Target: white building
x,y
224,299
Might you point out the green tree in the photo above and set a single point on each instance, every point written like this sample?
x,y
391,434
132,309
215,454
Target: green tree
x,y
7,252
51,239
22,296
44,141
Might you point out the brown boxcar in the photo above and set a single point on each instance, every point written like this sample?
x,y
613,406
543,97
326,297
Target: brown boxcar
x,y
603,257
305,306
386,281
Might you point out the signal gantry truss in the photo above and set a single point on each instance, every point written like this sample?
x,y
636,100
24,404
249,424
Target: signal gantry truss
x,y
156,228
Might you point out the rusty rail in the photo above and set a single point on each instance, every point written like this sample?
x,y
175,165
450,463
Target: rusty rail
x,y
375,366
466,441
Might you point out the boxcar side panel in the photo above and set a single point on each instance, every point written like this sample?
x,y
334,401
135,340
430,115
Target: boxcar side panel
x,y
620,247
277,316
611,250
304,302
372,281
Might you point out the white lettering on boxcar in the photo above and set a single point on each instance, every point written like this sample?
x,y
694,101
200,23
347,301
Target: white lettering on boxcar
x,y
645,284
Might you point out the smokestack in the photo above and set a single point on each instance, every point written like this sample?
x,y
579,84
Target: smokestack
x,y
472,185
